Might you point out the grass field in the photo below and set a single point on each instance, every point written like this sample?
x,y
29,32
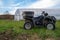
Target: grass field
x,y
17,27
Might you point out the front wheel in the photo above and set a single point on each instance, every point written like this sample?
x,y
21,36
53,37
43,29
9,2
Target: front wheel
x,y
50,26
28,25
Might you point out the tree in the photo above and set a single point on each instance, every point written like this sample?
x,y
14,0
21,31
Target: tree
x,y
6,13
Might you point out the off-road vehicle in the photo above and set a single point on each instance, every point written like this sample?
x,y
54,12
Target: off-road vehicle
x,y
31,21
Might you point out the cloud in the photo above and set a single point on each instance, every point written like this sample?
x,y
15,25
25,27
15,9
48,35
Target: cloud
x,y
57,4
1,3
42,4
13,5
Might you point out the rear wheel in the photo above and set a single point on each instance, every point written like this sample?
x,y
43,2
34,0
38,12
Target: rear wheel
x,y
50,26
28,25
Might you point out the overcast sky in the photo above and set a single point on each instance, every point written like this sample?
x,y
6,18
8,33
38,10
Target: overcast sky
x,y
12,5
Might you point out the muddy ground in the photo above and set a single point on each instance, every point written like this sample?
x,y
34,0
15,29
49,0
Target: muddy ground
x,y
9,35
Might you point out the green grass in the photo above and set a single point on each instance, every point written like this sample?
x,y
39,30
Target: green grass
x,y
17,27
